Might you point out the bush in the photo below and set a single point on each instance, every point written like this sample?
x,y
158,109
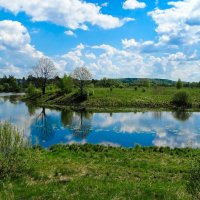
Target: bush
x,y
182,99
111,88
32,90
13,152
52,88
66,84
136,88
179,84
143,90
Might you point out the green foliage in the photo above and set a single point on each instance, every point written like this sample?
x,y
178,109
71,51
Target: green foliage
x,y
179,84
147,83
193,185
6,87
111,88
32,90
66,84
136,88
159,97
13,152
51,88
182,99
110,83
1,88
9,84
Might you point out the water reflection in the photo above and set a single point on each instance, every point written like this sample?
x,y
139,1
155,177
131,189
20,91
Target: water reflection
x,y
43,125
66,117
81,125
50,126
182,115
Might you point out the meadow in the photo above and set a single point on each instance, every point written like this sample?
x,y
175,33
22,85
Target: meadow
x,y
96,172
130,97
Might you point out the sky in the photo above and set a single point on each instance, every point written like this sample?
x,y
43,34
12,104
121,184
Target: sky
x,y
112,38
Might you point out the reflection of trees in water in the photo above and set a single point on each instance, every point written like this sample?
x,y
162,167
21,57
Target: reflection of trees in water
x,y
12,99
182,115
66,117
81,125
31,108
44,126
157,115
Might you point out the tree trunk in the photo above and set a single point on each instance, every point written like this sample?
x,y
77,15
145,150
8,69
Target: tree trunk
x,y
81,88
44,87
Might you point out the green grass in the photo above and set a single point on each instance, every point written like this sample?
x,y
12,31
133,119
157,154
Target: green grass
x,y
97,172
160,97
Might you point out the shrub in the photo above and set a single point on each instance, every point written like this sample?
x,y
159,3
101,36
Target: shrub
x,y
111,88
66,84
51,88
179,84
181,99
13,152
136,88
32,90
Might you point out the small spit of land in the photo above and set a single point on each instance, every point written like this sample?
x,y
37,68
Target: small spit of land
x,y
124,98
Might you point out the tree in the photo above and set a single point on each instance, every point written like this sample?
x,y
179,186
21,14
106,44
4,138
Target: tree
x,y
82,75
43,71
179,84
147,83
66,84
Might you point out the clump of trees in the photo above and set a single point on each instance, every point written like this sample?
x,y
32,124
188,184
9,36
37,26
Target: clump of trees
x,y
9,84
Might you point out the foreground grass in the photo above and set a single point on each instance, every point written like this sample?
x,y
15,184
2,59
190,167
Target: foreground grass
x,y
97,172
159,97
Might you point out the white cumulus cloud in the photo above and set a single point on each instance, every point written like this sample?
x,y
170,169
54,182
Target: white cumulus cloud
x,y
179,24
16,52
133,4
70,33
72,14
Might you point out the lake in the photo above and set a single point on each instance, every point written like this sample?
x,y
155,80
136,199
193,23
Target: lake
x,y
48,127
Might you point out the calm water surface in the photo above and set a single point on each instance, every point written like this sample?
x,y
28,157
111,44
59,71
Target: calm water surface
x,y
49,126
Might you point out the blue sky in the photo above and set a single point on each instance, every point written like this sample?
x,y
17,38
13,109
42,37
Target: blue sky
x,y
124,38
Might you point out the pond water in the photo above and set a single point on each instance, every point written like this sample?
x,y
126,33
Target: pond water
x,y
48,127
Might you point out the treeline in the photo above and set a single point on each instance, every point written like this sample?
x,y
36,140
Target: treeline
x,y
10,84
67,83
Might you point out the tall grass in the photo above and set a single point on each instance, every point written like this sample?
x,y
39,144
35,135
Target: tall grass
x,y
193,185
14,151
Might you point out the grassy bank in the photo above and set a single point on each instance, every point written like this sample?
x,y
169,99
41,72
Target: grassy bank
x,y
94,172
102,98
